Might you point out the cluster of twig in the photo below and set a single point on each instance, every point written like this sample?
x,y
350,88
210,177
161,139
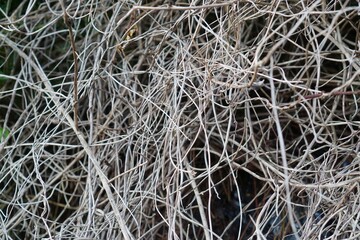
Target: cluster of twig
x,y
151,119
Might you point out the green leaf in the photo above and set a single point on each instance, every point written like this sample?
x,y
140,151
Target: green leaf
x,y
4,133
2,78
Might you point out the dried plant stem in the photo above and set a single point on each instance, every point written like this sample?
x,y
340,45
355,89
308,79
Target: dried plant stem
x,y
101,175
68,23
213,120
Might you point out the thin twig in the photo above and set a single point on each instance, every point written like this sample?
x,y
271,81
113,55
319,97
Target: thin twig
x,y
68,23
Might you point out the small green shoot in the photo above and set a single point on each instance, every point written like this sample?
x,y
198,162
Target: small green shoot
x,y
4,133
2,78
